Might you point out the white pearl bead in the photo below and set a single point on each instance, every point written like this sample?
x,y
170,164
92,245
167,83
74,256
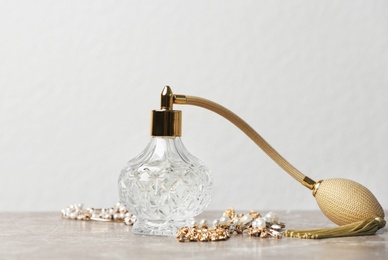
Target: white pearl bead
x,y
245,219
193,223
203,222
224,220
215,222
72,215
259,223
271,217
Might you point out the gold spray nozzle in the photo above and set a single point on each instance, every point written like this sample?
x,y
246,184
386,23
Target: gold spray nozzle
x,y
166,98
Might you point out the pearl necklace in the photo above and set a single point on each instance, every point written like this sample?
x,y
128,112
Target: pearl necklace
x,y
118,213
229,223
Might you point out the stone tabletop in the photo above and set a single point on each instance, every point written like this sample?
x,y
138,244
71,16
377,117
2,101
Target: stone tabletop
x,y
45,235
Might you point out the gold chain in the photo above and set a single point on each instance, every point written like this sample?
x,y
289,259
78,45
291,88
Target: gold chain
x,y
231,223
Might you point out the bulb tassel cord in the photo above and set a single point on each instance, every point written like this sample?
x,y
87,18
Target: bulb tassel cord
x,y
248,130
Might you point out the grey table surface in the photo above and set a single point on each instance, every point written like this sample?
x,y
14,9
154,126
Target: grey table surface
x,y
45,235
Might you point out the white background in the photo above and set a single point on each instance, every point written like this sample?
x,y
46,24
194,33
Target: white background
x,y
78,80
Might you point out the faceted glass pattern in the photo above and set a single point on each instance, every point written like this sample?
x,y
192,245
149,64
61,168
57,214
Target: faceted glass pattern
x,y
165,187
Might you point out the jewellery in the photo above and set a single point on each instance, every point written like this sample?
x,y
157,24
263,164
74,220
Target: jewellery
x,y
228,224
118,213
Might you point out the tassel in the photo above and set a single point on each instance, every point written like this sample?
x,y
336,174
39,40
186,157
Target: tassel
x,y
361,228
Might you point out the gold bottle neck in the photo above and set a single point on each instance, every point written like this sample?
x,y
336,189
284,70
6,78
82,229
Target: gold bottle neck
x,y
166,123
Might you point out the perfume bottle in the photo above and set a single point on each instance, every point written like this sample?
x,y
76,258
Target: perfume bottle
x,y
165,186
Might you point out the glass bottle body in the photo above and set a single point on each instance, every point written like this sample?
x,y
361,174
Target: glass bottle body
x,y
165,187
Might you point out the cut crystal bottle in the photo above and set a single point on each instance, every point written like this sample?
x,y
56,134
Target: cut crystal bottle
x,y
165,186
